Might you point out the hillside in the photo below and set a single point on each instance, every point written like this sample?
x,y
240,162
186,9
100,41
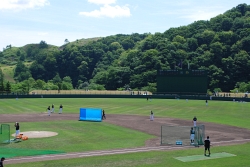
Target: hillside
x,y
28,53
220,46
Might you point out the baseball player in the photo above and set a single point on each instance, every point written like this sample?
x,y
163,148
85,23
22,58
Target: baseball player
x,y
194,121
207,146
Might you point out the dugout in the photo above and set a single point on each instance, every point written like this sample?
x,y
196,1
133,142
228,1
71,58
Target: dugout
x,y
90,114
182,82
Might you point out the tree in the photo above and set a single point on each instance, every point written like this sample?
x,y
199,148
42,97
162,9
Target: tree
x,y
21,72
37,71
66,41
20,67
50,65
8,87
242,66
43,45
246,43
192,44
215,76
115,46
226,24
179,39
57,79
128,43
67,83
39,84
1,80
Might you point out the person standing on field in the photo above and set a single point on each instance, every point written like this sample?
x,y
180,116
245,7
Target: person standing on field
x,y
151,116
17,128
207,146
52,108
60,109
103,114
48,110
1,162
192,133
194,121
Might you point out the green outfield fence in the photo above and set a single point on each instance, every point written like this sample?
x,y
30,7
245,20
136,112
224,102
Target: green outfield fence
x,y
5,134
135,94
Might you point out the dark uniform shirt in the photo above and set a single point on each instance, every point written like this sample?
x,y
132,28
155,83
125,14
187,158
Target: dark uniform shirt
x,y
17,127
207,143
192,132
195,119
1,163
61,106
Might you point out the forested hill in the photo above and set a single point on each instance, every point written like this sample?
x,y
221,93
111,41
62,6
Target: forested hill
x,y
220,45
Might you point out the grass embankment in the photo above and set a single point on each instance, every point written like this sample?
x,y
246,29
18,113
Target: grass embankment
x,y
8,72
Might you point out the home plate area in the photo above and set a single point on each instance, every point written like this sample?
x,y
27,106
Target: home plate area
x,y
37,134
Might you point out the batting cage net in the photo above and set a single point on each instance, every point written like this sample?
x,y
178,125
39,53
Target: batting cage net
x,y
180,135
4,133
199,135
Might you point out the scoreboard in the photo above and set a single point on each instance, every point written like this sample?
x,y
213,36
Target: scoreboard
x,y
182,81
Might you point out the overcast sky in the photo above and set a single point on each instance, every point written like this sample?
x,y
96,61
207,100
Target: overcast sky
x,y
30,21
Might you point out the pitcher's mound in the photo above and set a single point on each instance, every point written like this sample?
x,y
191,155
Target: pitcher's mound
x,y
37,134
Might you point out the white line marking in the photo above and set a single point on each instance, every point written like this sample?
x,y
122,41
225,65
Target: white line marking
x,y
232,141
96,153
111,152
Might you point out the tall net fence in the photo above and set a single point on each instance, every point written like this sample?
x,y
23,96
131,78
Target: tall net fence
x,y
199,135
4,133
171,135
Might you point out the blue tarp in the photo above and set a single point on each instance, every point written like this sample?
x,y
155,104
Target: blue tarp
x,y
90,114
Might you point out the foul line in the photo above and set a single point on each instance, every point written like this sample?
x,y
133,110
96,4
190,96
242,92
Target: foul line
x,y
231,141
98,153
105,152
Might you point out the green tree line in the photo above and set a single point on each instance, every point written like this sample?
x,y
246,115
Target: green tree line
x,y
219,45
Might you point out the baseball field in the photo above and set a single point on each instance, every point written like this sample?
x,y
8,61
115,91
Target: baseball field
x,y
127,137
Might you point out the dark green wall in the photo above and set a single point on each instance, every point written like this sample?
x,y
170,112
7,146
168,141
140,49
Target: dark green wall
x,y
193,97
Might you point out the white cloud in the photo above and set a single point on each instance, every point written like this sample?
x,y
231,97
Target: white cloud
x,y
102,2
21,4
109,11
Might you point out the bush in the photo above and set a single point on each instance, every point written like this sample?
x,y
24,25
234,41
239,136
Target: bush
x,y
243,86
50,86
94,86
151,87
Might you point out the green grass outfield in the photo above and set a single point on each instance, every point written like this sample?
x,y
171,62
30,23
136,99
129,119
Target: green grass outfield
x,y
222,112
229,113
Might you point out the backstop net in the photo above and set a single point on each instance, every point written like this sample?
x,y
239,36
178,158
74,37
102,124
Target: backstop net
x,y
4,133
180,135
